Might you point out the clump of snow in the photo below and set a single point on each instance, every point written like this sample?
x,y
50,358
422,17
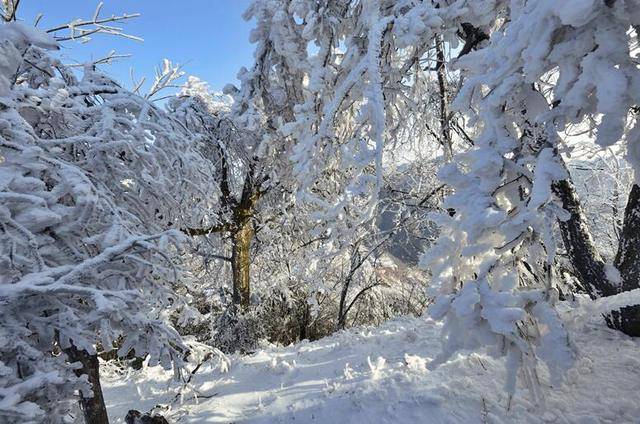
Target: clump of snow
x,y
612,274
380,375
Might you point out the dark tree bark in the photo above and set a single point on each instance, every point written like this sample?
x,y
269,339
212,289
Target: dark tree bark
x,y
583,254
627,261
472,37
304,321
628,257
342,315
342,308
357,260
589,265
93,408
445,127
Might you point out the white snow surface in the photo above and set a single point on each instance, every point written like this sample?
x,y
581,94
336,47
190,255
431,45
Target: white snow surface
x,y
381,375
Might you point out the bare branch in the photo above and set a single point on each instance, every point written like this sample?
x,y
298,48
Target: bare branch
x,y
81,29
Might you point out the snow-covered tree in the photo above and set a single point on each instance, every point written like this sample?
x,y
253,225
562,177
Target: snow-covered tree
x,y
524,89
92,179
297,270
308,99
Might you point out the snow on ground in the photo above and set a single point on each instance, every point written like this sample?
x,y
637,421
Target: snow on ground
x,y
379,375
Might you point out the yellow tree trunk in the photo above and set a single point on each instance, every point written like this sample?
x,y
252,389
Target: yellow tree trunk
x,y
240,264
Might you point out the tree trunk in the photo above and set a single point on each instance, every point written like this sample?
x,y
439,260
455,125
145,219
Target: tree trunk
x,y
342,314
628,257
445,127
240,263
304,322
588,263
582,252
93,408
627,262
355,263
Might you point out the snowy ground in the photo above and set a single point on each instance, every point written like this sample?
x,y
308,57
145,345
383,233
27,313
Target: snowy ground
x,y
378,375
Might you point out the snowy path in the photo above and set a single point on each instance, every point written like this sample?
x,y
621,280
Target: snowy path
x,y
378,375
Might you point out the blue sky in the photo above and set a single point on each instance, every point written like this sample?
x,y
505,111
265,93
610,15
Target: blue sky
x,y
209,37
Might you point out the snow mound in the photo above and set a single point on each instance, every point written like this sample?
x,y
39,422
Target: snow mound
x,y
381,375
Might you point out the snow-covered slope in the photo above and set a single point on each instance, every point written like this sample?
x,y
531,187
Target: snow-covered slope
x,y
379,375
